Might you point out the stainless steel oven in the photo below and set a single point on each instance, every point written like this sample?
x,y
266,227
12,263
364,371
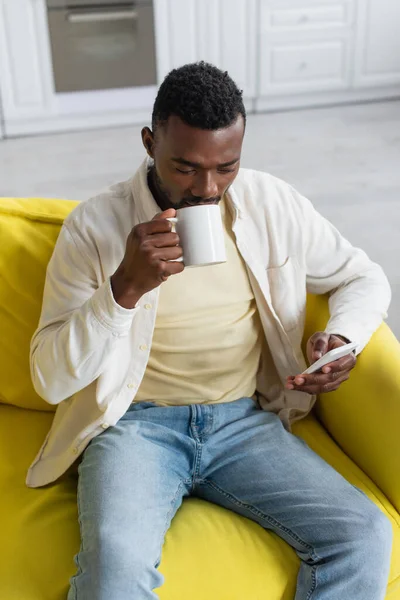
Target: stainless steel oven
x,y
101,44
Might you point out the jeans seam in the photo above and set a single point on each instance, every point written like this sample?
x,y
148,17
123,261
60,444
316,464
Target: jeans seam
x,y
196,466
168,519
269,519
78,502
311,591
81,549
193,425
73,579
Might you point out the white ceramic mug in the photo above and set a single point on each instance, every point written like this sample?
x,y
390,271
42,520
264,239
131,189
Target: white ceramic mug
x,y
201,235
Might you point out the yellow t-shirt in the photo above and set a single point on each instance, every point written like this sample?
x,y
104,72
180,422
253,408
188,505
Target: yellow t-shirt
x,y
207,339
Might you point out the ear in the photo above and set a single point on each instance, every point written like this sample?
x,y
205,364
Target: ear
x,y
148,141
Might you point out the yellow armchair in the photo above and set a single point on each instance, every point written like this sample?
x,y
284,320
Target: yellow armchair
x,y
213,553
363,416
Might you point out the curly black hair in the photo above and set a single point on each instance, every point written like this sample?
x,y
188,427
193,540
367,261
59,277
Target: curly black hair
x,y
200,94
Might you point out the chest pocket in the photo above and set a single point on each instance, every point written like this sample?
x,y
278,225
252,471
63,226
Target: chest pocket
x,y
287,285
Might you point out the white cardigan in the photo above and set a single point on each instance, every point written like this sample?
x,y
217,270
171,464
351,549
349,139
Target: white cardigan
x,y
89,355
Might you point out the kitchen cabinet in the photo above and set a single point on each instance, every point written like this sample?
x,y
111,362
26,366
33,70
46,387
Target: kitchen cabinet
x,y
282,53
24,60
223,32
315,52
377,60
220,31
305,47
30,103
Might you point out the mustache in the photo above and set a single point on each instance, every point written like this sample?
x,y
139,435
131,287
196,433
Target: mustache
x,y
195,200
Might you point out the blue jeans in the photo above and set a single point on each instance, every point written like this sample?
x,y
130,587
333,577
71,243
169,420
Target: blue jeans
x,y
134,476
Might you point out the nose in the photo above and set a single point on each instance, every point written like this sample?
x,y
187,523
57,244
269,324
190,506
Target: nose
x,y
205,185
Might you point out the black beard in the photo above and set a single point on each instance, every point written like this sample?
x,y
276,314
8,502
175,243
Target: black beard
x,y
195,201
160,195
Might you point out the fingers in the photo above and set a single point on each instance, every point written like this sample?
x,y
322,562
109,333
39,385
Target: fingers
x,y
162,240
320,343
317,383
342,364
173,268
164,261
158,224
336,341
166,254
140,232
324,384
317,345
170,268
167,214
330,377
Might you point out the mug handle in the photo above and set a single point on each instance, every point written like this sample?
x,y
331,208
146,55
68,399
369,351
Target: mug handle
x,y
174,220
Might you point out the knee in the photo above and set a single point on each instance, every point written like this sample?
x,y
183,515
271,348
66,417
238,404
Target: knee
x,y
113,549
373,536
113,565
112,552
381,530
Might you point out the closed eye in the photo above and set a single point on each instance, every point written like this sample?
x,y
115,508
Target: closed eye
x,y
190,172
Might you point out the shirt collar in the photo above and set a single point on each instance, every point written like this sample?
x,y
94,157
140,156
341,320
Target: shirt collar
x,y
144,201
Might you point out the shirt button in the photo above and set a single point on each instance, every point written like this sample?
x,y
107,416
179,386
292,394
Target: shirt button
x,y
75,450
148,306
105,426
143,347
131,385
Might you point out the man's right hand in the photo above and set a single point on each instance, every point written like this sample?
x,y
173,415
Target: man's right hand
x,y
151,250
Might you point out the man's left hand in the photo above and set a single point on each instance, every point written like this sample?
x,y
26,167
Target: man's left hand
x,y
331,375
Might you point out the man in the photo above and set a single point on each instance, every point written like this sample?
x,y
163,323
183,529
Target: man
x,y
185,382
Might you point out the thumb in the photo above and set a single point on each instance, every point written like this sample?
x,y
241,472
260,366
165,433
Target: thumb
x,y
318,345
166,214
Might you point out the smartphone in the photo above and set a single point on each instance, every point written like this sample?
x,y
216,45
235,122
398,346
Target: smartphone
x,y
331,356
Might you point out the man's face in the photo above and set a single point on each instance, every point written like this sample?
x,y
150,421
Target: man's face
x,y
194,166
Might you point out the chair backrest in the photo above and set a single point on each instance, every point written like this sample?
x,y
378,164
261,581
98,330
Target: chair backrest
x,y
29,228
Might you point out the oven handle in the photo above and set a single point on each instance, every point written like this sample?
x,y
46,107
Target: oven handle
x,y
102,16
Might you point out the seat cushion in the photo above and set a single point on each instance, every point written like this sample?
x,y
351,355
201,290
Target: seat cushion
x,y
29,228
210,551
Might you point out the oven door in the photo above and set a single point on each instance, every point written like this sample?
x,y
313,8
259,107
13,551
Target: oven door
x,y
103,46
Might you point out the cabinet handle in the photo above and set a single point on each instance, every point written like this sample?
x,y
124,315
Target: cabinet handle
x,y
96,17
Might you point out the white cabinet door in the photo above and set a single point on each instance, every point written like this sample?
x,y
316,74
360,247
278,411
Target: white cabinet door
x,y
305,66
222,32
305,46
378,43
25,68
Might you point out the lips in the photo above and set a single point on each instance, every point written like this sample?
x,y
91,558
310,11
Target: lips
x,y
187,203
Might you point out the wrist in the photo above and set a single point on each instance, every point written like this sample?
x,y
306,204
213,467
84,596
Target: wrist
x,y
124,292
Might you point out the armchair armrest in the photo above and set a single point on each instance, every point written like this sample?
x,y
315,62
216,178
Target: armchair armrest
x,y
363,416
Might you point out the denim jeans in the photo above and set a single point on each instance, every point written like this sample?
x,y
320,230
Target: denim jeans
x,y
134,476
